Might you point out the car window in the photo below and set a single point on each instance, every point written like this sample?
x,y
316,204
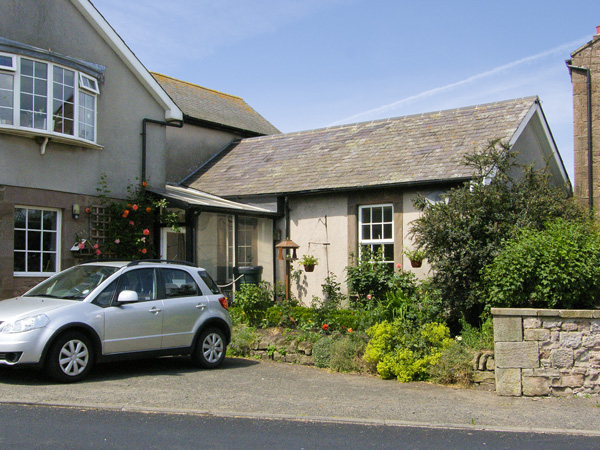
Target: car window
x,y
141,281
209,282
74,283
105,297
179,283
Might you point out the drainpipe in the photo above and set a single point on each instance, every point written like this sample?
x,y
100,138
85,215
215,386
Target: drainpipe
x,y
178,124
589,130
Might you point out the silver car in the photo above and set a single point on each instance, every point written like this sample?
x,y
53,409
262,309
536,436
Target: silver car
x,y
99,311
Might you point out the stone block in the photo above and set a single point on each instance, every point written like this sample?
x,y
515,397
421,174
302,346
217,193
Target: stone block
x,y
508,382
517,355
562,358
536,334
552,323
571,380
508,329
569,326
595,325
562,391
484,377
576,313
581,356
536,386
531,322
570,339
591,341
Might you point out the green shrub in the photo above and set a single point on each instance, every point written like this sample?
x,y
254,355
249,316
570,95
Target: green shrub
x,y
481,338
455,366
404,351
242,339
322,352
347,353
557,267
253,301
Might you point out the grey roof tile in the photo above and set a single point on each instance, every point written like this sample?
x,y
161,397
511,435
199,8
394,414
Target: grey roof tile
x,y
409,149
213,106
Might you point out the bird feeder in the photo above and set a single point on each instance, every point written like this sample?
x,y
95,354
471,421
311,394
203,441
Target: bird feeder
x,y
287,253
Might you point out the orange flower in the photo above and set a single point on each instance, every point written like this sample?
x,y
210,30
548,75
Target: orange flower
x,y
88,210
325,327
125,213
134,207
349,330
144,184
148,209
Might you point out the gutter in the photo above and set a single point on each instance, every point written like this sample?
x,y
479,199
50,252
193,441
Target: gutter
x,y
589,129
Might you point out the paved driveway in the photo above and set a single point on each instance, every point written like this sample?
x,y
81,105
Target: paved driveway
x,y
248,388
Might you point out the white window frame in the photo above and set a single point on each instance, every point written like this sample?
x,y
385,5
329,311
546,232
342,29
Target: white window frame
x,y
57,252
48,130
375,241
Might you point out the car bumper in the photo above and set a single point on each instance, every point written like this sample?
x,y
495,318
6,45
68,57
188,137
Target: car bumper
x,y
23,348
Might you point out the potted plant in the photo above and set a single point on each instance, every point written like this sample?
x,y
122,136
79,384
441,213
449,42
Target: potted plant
x,y
309,262
416,257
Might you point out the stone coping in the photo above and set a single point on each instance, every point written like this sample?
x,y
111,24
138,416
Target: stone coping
x,y
533,312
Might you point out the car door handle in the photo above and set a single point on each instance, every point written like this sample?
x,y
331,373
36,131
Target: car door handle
x,y
200,306
154,310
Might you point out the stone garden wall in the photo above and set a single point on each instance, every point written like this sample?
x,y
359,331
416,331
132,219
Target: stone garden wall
x,y
540,352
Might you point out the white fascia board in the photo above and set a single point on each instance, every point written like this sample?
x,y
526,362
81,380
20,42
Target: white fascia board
x,y
536,108
102,27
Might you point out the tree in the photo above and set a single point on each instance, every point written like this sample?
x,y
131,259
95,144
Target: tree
x,y
463,233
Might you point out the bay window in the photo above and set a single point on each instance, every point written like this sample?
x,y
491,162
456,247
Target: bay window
x,y
44,96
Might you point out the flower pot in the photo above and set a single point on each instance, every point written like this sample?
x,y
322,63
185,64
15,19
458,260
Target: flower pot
x,y
309,267
416,264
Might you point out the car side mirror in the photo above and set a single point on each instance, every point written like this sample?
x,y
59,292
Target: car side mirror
x,y
127,297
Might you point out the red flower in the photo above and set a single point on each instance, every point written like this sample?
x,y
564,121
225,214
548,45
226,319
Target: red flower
x,y
146,232
325,327
144,251
134,207
131,222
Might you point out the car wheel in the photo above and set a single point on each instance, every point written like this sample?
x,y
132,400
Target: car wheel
x,y
70,358
210,349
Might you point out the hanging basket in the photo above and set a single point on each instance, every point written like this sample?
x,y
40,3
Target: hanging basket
x,y
416,264
309,267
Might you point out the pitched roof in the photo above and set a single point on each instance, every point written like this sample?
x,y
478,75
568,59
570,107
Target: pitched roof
x,y
412,149
204,104
110,36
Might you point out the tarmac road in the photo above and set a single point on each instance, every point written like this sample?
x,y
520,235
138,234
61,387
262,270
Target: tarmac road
x,y
253,389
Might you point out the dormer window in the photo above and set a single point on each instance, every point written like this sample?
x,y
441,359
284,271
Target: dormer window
x,y
47,97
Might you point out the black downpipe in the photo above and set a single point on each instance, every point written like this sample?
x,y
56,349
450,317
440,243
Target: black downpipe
x,y
589,130
178,124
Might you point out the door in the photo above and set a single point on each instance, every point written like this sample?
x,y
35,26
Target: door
x,y
136,326
172,244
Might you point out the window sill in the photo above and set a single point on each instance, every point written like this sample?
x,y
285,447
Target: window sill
x,y
52,137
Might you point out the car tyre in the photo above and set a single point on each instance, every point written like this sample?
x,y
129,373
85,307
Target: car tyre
x,y
70,358
210,349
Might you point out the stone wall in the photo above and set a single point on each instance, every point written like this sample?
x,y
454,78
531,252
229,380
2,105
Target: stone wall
x,y
541,352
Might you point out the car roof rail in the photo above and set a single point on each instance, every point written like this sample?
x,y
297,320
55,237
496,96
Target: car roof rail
x,y
162,261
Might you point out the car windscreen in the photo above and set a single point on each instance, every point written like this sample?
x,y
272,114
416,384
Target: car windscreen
x,y
74,284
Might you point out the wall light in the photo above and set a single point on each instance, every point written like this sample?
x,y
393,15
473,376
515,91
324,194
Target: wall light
x,y
75,211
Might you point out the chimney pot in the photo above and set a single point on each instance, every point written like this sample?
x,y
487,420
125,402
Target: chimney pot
x,y
598,30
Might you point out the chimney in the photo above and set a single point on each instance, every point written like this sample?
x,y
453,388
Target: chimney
x,y
598,30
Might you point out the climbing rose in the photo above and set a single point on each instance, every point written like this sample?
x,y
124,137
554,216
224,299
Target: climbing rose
x,y
125,213
325,327
81,245
134,207
148,209
117,241
146,232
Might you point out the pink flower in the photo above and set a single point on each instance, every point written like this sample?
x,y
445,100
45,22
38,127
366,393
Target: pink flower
x,y
98,252
96,246
131,222
398,265
81,245
369,297
146,232
134,207
117,241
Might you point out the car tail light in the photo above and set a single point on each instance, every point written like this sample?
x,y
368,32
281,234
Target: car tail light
x,y
223,302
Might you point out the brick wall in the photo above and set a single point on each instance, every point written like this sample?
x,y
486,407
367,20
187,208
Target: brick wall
x,y
540,352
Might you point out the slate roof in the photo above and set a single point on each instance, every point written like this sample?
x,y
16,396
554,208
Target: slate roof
x,y
412,149
198,102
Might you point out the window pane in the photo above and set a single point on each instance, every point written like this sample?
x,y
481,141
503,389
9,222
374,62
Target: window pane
x,y
41,70
366,232
50,220
34,219
48,262
40,87
366,215
20,242
179,283
27,67
34,240
27,85
387,231
34,262
49,242
19,265
377,215
20,217
39,103
26,103
388,252
6,61
377,232
387,214
6,116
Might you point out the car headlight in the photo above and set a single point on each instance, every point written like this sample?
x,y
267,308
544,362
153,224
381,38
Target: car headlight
x,y
26,324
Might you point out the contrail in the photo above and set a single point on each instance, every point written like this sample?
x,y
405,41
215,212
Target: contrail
x,y
434,91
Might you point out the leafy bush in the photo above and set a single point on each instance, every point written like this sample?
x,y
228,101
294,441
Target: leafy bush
x,y
347,352
404,351
455,366
464,233
242,340
557,267
371,278
322,352
253,301
478,338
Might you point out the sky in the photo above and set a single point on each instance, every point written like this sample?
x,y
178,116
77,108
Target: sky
x,y
307,64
